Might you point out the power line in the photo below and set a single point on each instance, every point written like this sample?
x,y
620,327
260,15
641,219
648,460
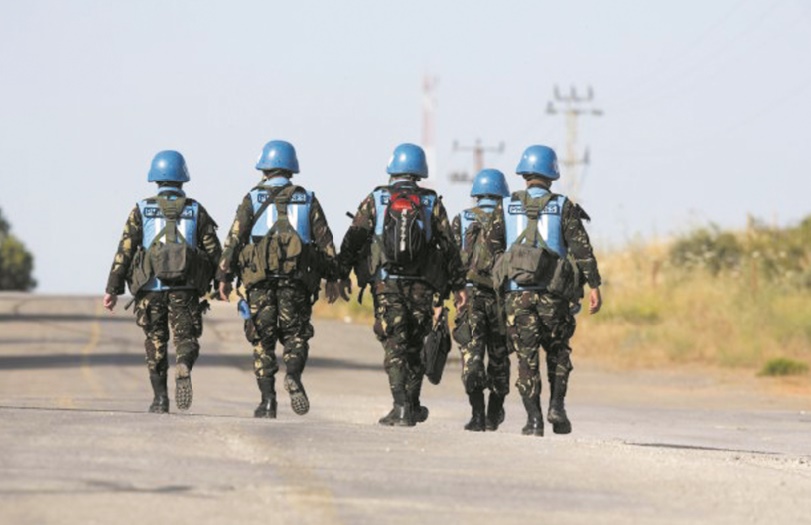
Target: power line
x,y
478,159
573,106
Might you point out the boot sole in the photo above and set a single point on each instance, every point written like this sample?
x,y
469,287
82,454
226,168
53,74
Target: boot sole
x,y
562,428
298,398
183,390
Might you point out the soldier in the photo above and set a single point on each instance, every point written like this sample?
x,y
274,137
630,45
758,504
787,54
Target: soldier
x,y
280,247
480,326
548,254
167,255
401,237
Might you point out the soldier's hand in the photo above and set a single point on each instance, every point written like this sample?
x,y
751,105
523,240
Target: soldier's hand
x,y
225,292
437,313
460,298
346,289
110,300
595,301
331,290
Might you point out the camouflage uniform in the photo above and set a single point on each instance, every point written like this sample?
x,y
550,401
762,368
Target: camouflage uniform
x,y
159,312
281,308
539,319
479,332
403,306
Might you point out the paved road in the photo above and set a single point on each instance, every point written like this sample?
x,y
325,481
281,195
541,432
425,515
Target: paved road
x,y
78,448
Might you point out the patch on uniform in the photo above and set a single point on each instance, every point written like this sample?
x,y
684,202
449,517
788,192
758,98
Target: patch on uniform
x,y
551,209
156,213
261,197
469,215
298,198
384,199
515,209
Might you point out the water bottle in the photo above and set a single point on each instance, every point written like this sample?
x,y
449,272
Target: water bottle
x,y
244,309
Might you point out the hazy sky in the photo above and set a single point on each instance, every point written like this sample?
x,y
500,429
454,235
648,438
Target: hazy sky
x,y
707,107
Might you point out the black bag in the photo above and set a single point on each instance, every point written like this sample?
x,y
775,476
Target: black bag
x,y
404,238
436,348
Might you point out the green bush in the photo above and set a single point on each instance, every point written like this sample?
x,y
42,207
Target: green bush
x,y
783,366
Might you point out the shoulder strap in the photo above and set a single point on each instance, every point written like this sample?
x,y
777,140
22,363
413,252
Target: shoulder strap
x,y
171,209
280,200
532,209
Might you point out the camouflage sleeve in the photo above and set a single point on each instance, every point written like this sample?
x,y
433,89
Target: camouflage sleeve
x,y
207,236
456,228
130,241
578,242
236,239
322,236
496,237
447,243
358,234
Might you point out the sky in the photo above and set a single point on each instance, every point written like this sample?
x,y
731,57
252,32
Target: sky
x,y
706,108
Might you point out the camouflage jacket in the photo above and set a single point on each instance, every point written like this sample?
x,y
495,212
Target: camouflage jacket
x,y
574,235
132,238
360,233
240,232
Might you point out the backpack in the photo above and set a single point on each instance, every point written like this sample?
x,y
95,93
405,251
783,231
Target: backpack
x,y
476,255
280,251
404,235
174,262
528,261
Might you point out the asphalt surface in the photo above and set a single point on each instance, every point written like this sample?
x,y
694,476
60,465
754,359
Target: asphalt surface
x,y
77,446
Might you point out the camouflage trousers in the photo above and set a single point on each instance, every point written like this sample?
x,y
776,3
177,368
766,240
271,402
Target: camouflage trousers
x,y
403,318
539,320
479,333
179,310
280,311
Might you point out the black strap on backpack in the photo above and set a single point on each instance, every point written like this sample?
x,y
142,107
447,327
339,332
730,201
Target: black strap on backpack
x,y
171,209
532,209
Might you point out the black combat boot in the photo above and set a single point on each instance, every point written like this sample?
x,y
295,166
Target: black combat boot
x,y
267,407
400,416
534,426
160,403
557,412
476,423
298,397
495,411
183,391
419,411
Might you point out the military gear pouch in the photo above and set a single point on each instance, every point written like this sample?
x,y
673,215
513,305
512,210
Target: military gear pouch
x,y
140,273
528,261
476,256
280,252
436,348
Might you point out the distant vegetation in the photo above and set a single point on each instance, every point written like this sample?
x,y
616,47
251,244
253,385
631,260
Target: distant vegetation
x,y
730,299
16,263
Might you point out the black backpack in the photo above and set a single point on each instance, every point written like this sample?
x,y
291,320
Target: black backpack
x,y
404,235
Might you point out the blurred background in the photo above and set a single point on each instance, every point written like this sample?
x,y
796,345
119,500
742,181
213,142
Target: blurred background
x,y
680,127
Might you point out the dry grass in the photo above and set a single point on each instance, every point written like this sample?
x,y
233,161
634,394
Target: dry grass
x,y
655,315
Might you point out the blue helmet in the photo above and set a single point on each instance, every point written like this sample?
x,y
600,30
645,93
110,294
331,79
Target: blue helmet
x,y
539,160
408,159
278,154
489,182
168,166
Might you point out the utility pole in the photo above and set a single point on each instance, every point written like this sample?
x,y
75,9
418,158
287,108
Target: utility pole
x,y
478,159
573,106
